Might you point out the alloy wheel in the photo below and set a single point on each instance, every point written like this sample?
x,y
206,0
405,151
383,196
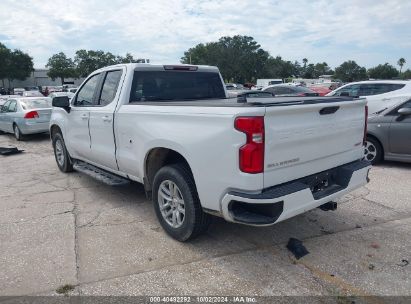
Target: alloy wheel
x,y
171,204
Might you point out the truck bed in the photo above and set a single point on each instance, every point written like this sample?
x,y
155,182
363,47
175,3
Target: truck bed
x,y
251,102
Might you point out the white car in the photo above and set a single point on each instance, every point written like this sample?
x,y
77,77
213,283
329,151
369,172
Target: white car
x,y
380,94
255,161
32,94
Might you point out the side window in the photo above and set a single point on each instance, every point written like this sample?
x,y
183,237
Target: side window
x,y
282,91
12,106
352,90
5,107
110,87
394,112
85,95
379,88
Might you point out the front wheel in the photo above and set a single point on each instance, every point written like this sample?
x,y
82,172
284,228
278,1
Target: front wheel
x,y
373,151
60,152
177,205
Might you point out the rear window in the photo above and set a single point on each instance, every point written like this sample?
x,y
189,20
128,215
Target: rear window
x,y
175,85
35,104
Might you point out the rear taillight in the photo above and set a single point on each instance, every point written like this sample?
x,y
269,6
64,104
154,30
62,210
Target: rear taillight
x,y
252,153
365,126
31,115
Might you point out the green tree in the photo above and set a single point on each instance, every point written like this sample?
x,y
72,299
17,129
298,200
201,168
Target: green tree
x,y
19,66
322,69
126,59
383,71
305,61
60,66
239,58
406,74
401,63
89,61
5,55
350,71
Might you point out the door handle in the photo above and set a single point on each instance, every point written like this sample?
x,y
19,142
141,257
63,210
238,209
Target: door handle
x,y
84,116
106,118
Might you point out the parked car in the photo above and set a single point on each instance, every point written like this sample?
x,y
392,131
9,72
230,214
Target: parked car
x,y
289,90
32,94
173,129
234,86
56,94
389,134
71,90
25,115
4,98
18,91
380,94
31,88
322,91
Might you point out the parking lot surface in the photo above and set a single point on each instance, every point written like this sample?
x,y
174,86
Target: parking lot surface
x,y
61,230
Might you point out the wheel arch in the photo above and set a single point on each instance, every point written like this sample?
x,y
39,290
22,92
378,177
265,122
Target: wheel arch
x,y
54,129
155,159
371,135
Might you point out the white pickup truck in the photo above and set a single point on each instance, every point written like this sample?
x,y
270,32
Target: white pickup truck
x,y
255,161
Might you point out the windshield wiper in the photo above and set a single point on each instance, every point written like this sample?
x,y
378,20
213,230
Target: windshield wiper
x,y
380,111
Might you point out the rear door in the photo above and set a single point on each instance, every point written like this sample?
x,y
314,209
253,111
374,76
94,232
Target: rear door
x,y
309,138
103,149
77,132
10,115
3,116
400,133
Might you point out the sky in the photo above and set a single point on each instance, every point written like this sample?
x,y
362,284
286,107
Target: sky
x,y
367,31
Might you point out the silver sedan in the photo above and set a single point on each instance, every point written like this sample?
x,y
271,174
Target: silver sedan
x,y
25,115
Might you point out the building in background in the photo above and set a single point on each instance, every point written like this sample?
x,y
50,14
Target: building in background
x,y
39,78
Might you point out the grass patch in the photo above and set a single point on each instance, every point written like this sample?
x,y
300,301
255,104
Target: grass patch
x,y
65,289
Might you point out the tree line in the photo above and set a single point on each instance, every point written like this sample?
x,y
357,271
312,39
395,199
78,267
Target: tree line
x,y
84,62
14,64
241,59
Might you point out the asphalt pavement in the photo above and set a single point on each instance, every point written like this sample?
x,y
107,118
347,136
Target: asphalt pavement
x,y
67,233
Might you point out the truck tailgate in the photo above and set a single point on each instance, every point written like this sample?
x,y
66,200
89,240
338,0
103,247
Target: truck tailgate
x,y
304,139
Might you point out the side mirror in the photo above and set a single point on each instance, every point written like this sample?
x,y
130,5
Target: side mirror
x,y
61,102
404,111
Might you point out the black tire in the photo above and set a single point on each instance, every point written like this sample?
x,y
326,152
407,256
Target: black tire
x,y
196,221
17,132
373,151
65,164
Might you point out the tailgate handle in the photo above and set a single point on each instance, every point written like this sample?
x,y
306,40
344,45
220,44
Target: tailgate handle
x,y
329,110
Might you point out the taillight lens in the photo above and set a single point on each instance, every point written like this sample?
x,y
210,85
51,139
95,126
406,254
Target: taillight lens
x,y
252,153
31,115
365,126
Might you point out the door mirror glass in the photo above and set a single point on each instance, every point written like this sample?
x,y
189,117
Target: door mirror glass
x,y
404,111
61,102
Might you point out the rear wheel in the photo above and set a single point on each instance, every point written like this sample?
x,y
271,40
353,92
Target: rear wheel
x,y
17,133
373,151
177,205
60,152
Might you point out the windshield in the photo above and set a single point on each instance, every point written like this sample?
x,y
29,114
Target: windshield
x,y
35,104
176,85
